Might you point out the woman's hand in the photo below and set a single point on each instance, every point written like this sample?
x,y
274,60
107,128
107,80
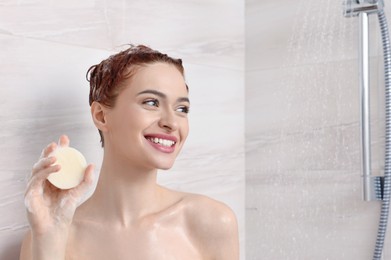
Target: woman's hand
x,y
50,210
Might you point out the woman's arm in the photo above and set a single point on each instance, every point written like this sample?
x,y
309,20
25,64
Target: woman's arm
x,y
25,251
50,210
41,249
46,247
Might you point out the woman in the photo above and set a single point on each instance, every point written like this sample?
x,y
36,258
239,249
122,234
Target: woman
x,y
139,103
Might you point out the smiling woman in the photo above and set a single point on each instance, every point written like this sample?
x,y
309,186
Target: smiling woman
x,y
139,103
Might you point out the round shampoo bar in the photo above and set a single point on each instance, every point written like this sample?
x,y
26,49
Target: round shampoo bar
x,y
73,165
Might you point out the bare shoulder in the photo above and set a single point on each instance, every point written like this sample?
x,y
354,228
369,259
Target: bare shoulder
x,y
213,225
204,211
25,251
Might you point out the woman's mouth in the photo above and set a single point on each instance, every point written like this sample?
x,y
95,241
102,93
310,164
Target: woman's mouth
x,y
162,143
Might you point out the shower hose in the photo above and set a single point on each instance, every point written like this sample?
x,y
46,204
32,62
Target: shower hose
x,y
385,206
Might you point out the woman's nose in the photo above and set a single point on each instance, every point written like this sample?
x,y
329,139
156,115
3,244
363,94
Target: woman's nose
x,y
168,121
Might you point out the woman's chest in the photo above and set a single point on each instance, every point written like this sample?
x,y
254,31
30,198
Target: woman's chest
x,y
156,241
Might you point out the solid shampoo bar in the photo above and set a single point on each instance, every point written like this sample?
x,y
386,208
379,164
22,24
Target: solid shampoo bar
x,y
73,165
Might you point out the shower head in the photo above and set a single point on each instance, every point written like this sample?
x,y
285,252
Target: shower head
x,y
354,7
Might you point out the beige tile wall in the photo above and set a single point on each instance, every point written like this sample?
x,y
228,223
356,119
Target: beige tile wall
x,y
302,152
46,48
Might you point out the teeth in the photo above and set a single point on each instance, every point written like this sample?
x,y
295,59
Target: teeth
x,y
160,141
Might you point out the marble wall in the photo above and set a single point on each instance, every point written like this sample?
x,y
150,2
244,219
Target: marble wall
x,y
296,120
46,48
303,185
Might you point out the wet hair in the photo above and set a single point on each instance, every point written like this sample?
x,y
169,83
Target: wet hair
x,y
108,77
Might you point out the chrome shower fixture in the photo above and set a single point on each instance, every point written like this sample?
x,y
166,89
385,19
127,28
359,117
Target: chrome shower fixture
x,y
372,185
355,7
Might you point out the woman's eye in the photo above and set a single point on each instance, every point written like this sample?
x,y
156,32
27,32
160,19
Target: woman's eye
x,y
151,102
183,109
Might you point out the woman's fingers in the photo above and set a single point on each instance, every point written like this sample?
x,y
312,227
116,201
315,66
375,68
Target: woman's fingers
x,y
44,159
39,177
74,197
48,150
42,169
63,141
87,181
42,164
86,184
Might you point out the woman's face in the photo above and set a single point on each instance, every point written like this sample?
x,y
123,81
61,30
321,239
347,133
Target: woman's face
x,y
148,124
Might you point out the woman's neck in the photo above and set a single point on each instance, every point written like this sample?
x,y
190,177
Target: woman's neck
x,y
125,193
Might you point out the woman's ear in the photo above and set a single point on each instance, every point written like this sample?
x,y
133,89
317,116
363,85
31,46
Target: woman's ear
x,y
98,113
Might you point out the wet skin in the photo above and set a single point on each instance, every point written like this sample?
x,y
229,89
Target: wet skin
x,y
130,216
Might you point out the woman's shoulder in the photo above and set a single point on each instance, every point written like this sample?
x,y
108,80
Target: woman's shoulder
x,y
213,225
207,216
204,206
